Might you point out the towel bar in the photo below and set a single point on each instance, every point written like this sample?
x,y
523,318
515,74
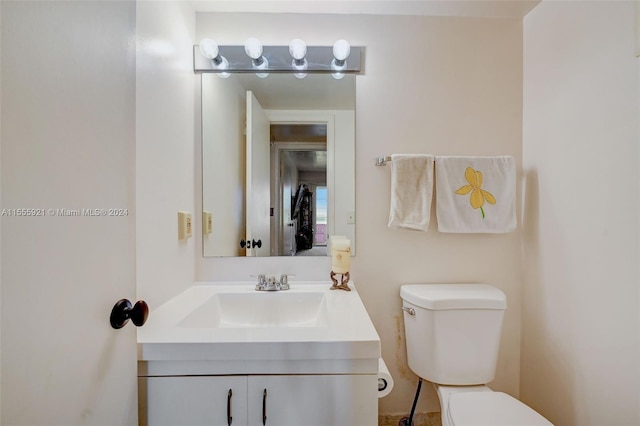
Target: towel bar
x,y
382,161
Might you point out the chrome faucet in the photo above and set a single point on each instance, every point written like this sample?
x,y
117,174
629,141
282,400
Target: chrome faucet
x,y
270,284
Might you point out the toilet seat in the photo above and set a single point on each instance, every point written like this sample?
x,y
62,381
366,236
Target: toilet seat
x,y
491,409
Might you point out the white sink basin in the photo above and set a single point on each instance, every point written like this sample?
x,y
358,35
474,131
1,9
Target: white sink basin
x,y
259,309
230,327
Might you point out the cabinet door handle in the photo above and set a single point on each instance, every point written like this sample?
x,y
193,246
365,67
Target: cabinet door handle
x,y
264,408
229,417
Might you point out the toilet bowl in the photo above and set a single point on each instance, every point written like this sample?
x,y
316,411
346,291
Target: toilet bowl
x,y
452,335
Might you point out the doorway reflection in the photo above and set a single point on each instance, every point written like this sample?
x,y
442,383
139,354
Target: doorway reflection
x,y
301,187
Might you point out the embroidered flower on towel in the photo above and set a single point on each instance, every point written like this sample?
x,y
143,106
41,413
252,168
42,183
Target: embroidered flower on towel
x,y
478,195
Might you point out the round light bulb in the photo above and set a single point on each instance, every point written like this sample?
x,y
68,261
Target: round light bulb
x,y
297,49
209,48
341,49
253,48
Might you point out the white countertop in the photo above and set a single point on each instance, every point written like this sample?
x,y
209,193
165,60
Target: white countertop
x,y
345,335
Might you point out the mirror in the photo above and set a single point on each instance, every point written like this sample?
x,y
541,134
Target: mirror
x,y
278,158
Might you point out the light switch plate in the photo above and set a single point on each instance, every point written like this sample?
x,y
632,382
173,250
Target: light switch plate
x,y
207,222
184,225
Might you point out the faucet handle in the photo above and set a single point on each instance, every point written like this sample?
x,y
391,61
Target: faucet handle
x,y
284,282
262,282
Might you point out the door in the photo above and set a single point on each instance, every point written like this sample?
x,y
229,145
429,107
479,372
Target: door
x,y
258,179
196,401
68,202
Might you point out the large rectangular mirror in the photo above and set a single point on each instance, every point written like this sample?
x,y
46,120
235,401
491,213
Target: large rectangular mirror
x,y
277,163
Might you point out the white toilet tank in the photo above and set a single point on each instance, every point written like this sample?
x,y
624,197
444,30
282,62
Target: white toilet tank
x,y
453,331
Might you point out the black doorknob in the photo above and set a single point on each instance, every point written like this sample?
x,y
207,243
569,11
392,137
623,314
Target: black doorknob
x,y
257,243
123,311
244,243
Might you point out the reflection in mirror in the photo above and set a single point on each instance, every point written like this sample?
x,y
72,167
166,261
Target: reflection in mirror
x,y
277,163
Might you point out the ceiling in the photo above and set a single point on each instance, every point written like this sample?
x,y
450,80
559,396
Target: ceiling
x,y
467,8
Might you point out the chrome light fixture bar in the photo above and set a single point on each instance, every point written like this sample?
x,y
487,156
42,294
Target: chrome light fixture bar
x,y
278,59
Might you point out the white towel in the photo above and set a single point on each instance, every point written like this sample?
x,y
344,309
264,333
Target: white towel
x,y
476,194
411,191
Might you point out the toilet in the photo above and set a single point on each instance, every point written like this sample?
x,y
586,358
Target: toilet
x,y
453,336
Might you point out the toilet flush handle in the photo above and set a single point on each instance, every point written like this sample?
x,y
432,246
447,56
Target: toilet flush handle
x,y
408,310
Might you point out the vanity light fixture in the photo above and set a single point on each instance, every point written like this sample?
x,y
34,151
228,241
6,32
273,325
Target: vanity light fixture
x,y
210,50
296,58
253,48
298,51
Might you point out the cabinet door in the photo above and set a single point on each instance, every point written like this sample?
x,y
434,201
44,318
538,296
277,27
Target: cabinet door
x,y
193,401
317,400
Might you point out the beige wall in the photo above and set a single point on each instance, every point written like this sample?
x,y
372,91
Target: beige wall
x,y
1,205
580,358
430,85
165,127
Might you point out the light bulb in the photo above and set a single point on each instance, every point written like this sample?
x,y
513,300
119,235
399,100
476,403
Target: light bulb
x,y
297,49
341,49
253,48
209,48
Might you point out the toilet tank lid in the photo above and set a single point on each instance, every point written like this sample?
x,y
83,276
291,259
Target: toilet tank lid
x,y
491,408
454,296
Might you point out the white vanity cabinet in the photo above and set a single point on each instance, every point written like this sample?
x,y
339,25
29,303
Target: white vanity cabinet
x,y
313,400
193,401
308,356
272,400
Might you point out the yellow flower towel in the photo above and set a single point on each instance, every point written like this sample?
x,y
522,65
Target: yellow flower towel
x,y
411,191
476,194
